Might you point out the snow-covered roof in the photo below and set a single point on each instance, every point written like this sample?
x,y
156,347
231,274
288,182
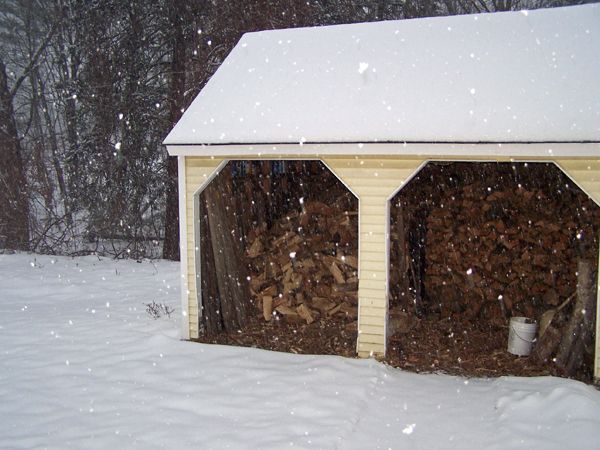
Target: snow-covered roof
x,y
527,76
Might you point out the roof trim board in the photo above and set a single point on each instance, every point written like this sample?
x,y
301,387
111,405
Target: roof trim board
x,y
547,150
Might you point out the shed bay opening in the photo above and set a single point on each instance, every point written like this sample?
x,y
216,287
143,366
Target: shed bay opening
x,y
278,257
473,244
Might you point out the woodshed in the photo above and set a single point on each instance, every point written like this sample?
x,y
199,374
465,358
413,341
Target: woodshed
x,y
375,102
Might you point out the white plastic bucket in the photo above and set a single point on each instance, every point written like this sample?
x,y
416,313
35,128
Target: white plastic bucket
x,y
521,336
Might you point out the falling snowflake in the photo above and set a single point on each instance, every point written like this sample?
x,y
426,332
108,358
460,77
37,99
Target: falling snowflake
x,y
409,428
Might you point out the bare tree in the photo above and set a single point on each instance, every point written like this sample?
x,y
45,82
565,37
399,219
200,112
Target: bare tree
x,y
88,90
14,204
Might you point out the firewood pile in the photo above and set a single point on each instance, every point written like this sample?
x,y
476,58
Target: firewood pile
x,y
487,245
492,249
279,242
501,254
304,268
279,259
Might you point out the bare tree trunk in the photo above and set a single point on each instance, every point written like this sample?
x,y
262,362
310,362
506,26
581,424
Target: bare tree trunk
x,y
39,148
234,292
60,177
210,317
177,89
14,204
171,243
579,331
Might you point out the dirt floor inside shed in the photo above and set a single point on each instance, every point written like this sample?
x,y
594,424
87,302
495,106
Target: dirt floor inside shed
x,y
431,346
461,348
322,337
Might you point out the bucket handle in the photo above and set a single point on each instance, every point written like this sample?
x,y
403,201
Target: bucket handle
x,y
522,338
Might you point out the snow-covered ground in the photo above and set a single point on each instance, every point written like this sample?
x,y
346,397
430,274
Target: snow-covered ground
x,y
82,365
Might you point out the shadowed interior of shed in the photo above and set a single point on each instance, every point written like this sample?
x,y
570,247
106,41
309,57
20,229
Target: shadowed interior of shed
x,y
473,244
279,258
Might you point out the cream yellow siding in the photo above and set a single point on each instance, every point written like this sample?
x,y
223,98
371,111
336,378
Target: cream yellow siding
x,y
199,171
584,172
374,181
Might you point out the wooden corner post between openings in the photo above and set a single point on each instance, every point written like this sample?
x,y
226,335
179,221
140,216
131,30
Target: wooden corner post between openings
x,y
373,180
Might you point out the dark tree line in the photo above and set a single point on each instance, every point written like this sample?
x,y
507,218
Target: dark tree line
x,y
89,89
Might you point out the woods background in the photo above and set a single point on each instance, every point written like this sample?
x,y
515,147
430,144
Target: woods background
x,y
89,89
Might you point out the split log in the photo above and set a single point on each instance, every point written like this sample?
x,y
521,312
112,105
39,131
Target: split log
x,y
255,249
337,273
333,311
289,314
267,306
349,260
304,312
322,304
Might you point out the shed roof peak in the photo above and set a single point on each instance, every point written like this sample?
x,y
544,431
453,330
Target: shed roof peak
x,y
525,76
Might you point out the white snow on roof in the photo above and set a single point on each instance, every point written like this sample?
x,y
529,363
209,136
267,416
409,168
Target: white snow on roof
x,y
530,76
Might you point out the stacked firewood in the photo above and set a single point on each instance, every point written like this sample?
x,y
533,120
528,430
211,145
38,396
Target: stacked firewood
x,y
480,243
489,241
304,267
497,254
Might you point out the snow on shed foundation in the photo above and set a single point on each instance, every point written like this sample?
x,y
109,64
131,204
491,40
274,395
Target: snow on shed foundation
x,y
376,101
